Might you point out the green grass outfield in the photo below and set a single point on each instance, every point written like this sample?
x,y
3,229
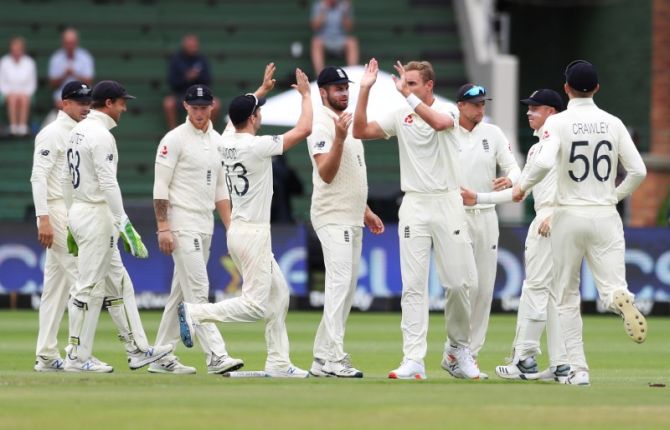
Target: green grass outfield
x,y
620,396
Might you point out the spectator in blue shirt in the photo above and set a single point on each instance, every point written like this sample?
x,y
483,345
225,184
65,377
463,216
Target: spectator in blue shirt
x,y
70,63
187,67
332,22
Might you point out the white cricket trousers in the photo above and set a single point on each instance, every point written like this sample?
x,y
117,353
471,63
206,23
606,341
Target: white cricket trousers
x,y
537,305
190,284
594,233
342,246
60,273
483,229
101,274
434,221
265,293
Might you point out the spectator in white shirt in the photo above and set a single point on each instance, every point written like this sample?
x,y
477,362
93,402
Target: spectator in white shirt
x,y
18,81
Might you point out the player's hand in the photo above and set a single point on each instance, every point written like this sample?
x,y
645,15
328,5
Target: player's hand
x,y
45,231
469,197
517,194
373,222
301,83
268,81
502,184
132,241
72,246
400,83
370,74
166,242
342,125
545,227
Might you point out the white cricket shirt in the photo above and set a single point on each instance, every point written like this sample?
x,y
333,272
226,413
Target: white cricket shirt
x,y
481,150
195,158
586,143
248,162
429,161
342,201
92,158
49,162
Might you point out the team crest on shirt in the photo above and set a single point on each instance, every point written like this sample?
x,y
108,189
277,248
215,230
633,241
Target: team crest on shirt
x,y
164,151
408,120
545,135
485,144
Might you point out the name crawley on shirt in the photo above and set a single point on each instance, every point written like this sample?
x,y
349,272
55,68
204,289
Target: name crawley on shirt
x,y
590,128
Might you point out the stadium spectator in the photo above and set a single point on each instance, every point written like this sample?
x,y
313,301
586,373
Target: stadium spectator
x,y
18,81
332,23
69,63
187,67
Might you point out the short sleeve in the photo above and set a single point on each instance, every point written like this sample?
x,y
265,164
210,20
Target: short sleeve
x,y
168,151
320,141
268,146
388,124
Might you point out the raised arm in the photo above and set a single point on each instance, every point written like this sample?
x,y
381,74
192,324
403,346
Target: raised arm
x,y
329,163
363,129
268,81
304,126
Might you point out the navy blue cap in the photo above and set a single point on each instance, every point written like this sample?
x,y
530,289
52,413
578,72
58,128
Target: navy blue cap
x,y
332,76
545,97
76,90
104,90
581,76
242,107
199,95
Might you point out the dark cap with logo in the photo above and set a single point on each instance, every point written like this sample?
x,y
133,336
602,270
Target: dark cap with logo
x,y
545,97
199,95
104,90
581,76
332,76
76,90
471,93
241,107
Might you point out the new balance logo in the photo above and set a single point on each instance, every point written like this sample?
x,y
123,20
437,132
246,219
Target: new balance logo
x,y
196,244
457,232
406,232
485,144
346,236
494,247
209,177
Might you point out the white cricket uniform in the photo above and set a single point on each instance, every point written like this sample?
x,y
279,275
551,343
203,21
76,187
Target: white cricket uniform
x,y
337,213
537,307
431,216
265,294
60,268
586,143
92,162
481,150
194,159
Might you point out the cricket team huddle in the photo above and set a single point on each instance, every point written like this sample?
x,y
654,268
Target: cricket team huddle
x,y
448,162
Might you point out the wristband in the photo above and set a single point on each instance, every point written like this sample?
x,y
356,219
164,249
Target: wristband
x,y
162,231
413,101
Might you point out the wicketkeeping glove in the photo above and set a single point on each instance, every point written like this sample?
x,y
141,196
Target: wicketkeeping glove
x,y
72,247
132,241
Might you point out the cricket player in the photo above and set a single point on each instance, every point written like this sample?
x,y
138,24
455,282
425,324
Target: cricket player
x,y
96,219
60,268
248,161
431,215
586,144
537,307
483,147
339,211
189,183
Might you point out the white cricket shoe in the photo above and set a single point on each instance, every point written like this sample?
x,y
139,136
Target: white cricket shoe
x,y
288,372
409,369
140,358
89,366
342,368
170,365
459,363
578,377
46,364
525,370
317,368
223,364
186,327
634,322
555,373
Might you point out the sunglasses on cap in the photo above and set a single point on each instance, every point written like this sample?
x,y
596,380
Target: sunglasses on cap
x,y
475,91
79,92
255,101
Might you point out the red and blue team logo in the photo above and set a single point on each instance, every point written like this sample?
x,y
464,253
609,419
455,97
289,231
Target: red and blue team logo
x,y
545,135
164,151
408,120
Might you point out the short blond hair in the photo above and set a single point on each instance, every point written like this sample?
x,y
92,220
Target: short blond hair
x,y
424,68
